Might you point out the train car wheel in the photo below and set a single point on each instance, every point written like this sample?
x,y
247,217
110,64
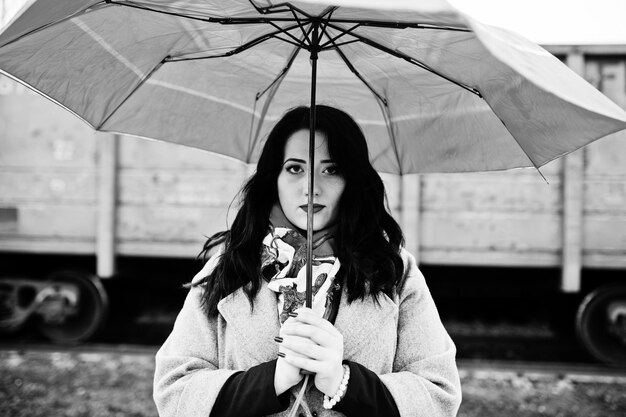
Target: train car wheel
x,y
75,314
601,324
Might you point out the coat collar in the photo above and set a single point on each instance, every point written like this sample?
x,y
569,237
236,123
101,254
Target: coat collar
x,y
358,321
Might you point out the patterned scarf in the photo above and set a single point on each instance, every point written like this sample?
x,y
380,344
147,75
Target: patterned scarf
x,y
283,265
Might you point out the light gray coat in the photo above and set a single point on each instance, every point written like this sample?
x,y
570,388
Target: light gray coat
x,y
402,340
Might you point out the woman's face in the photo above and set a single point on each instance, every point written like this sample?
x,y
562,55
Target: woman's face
x,y
293,184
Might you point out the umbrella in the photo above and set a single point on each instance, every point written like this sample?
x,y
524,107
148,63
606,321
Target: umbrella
x,y
433,89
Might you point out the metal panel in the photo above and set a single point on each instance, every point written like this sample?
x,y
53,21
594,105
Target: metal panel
x,y
604,205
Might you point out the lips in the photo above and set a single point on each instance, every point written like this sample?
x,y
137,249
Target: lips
x,y
316,207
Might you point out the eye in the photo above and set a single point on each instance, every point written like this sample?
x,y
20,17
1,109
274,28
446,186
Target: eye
x,y
331,170
294,169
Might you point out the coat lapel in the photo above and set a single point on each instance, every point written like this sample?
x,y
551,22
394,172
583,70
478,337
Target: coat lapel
x,y
255,327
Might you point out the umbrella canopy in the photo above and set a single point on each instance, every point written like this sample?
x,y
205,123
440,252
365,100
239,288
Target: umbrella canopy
x,y
434,90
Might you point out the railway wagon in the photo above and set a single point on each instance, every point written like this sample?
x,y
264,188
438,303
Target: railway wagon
x,y
67,190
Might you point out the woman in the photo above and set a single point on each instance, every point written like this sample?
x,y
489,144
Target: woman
x,y
372,343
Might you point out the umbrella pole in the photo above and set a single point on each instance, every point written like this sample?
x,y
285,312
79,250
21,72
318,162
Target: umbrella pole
x,y
309,223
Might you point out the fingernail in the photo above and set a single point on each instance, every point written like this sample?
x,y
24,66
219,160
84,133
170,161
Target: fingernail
x,y
281,354
292,314
278,339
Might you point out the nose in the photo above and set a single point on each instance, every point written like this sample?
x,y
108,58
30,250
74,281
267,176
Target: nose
x,y
316,185
316,191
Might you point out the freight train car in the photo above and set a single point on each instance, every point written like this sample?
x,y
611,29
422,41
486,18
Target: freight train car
x,y
67,190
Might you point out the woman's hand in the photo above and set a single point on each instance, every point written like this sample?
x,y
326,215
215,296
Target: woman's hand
x,y
314,344
285,375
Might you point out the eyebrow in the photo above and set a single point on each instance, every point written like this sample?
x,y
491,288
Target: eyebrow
x,y
302,161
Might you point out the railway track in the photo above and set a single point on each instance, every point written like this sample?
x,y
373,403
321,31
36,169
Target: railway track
x,y
576,372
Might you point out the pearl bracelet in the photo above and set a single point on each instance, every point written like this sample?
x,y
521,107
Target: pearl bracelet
x,y
330,402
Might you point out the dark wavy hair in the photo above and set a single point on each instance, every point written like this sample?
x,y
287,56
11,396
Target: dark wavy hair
x,y
368,239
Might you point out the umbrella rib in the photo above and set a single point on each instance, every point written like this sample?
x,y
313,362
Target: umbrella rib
x,y
254,139
304,32
333,39
275,8
384,104
221,20
286,32
241,48
135,88
326,48
299,45
329,11
325,20
271,9
283,72
409,59
46,96
535,165
386,113
359,76
299,21
401,25
291,8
